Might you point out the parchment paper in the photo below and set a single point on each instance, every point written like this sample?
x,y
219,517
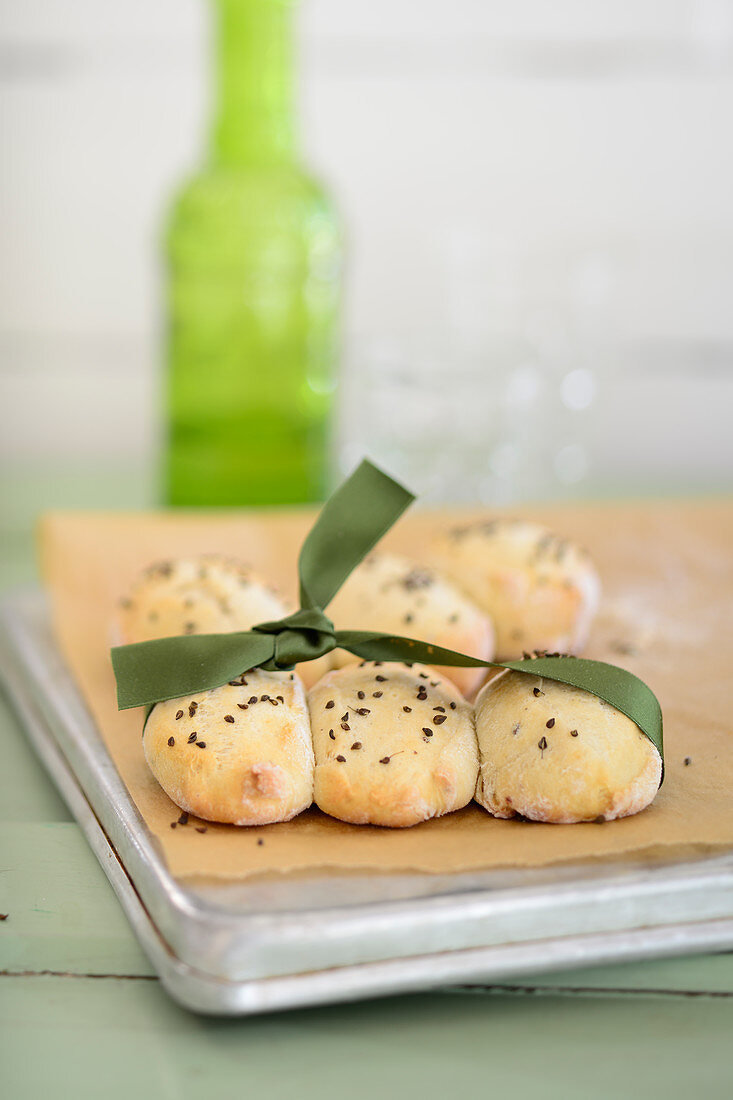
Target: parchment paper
x,y
667,615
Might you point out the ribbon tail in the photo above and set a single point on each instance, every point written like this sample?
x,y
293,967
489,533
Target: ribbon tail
x,y
617,686
167,668
372,646
349,525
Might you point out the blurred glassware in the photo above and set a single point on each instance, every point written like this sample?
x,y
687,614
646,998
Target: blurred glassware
x,y
433,418
253,290
502,412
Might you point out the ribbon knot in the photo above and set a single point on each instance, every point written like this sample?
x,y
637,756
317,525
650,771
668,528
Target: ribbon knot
x,y
302,636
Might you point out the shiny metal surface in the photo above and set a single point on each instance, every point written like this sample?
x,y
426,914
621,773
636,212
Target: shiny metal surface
x,y
273,943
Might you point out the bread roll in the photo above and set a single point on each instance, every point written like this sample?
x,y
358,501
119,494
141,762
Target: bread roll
x,y
541,591
240,754
394,745
390,593
209,594
552,752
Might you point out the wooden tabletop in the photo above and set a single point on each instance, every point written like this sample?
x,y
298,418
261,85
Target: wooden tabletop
x,y
82,1014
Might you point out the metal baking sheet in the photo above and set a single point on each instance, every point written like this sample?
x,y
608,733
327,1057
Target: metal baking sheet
x,y
291,940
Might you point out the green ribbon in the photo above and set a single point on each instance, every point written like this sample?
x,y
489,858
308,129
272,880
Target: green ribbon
x,y
350,524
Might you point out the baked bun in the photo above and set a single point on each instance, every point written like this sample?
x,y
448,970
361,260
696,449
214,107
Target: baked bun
x,y
209,594
552,752
240,754
394,745
390,593
541,591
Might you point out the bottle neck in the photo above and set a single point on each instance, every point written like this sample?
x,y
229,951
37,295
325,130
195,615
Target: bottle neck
x,y
255,117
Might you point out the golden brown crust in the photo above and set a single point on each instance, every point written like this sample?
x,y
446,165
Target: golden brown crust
x,y
553,753
541,591
240,754
394,746
393,594
202,595
209,594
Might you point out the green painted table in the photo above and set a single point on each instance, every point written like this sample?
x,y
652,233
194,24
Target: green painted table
x,y
82,1015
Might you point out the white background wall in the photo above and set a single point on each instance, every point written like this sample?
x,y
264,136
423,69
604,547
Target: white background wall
x,y
505,167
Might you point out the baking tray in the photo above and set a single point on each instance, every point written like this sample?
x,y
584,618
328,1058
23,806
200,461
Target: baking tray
x,y
292,940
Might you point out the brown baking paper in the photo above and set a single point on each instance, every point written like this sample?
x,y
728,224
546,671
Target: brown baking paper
x,y
667,615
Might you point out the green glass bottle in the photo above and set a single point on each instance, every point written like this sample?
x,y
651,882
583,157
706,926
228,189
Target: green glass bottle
x,y
253,289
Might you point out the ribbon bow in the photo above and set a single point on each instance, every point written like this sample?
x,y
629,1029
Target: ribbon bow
x,y
350,524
